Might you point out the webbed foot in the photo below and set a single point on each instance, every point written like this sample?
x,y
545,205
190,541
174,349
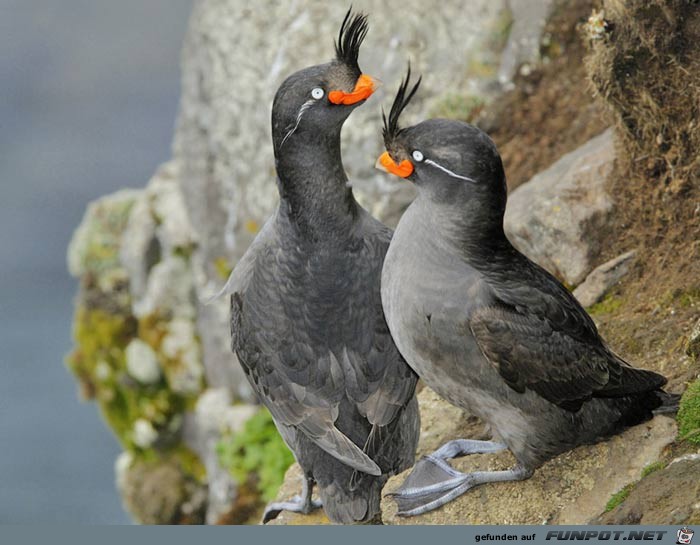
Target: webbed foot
x,y
433,482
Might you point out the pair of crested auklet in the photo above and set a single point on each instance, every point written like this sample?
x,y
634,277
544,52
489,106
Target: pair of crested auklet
x,y
331,318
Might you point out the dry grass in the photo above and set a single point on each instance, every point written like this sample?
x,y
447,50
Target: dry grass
x,y
646,69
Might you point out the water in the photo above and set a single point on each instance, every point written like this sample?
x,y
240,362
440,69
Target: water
x,y
88,97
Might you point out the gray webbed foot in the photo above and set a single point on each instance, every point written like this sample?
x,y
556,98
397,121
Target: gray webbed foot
x,y
433,482
298,504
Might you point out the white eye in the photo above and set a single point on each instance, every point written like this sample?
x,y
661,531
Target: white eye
x,y
317,93
417,155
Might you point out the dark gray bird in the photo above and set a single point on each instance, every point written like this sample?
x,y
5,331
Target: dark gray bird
x,y
484,326
306,317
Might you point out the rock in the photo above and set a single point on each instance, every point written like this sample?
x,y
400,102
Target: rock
x,y
692,346
140,249
93,252
669,496
602,278
213,416
523,45
570,489
158,492
136,322
556,218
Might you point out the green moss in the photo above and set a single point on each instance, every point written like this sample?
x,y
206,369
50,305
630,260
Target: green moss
x,y
455,106
189,463
184,252
257,449
609,304
688,298
152,330
223,269
682,298
688,417
618,497
651,468
103,328
101,339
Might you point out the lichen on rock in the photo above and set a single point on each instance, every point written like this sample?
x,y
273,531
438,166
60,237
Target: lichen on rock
x,y
142,362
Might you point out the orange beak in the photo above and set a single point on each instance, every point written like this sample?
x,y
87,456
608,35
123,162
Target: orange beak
x,y
365,86
403,170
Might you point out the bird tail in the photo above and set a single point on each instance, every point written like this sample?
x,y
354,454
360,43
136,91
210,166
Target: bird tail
x,y
669,402
643,406
358,506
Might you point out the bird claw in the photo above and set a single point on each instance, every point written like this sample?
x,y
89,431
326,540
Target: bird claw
x,y
297,504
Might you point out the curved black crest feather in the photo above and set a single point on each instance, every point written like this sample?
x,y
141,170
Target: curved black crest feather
x,y
352,33
403,97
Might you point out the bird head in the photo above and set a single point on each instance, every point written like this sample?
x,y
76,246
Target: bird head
x,y
319,98
451,162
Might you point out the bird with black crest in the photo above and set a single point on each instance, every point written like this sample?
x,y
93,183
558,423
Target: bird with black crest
x,y
485,327
306,317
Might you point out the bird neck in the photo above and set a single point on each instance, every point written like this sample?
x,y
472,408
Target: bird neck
x,y
314,191
474,232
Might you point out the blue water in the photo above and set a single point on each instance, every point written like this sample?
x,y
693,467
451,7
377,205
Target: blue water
x,y
88,98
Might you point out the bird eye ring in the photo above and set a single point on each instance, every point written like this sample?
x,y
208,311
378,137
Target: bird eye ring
x,y
417,156
317,93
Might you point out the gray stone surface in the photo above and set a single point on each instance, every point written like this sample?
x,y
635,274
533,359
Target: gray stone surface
x,y
213,415
603,278
667,496
523,45
558,218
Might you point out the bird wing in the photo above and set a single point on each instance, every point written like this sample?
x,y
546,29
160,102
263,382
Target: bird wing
x,y
297,393
539,338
